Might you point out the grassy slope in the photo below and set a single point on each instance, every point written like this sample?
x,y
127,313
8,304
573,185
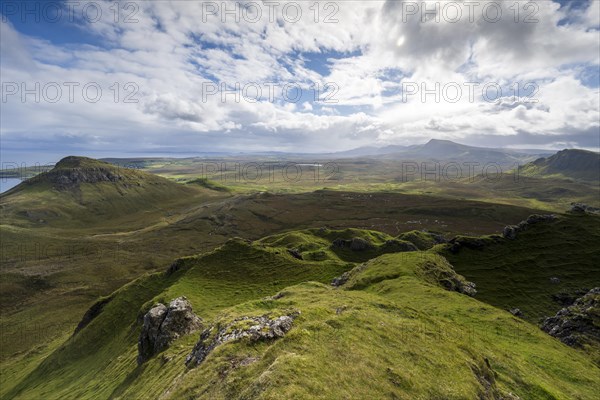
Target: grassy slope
x,y
44,296
384,340
516,273
235,273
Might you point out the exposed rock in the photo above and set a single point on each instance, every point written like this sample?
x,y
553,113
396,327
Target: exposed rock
x,y
554,280
510,232
447,277
468,288
354,244
516,312
470,242
295,253
340,280
579,323
276,296
162,325
581,208
254,328
567,298
67,178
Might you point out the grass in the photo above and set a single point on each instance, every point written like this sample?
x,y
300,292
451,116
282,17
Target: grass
x,y
61,250
382,335
516,273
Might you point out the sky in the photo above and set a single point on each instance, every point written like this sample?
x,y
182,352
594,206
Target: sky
x,y
142,78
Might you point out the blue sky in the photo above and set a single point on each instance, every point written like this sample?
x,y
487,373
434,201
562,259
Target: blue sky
x,y
156,64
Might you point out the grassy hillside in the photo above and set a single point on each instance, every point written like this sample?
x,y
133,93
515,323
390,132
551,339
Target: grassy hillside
x,y
572,163
87,228
384,334
81,191
517,273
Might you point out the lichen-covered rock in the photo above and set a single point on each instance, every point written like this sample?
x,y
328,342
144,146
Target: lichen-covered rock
x,y
254,328
162,325
579,323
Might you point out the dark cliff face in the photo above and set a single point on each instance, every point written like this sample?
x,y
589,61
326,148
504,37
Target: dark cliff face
x,y
67,178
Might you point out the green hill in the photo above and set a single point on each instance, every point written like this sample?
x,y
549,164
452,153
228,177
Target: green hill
x,y
570,163
522,273
80,191
392,330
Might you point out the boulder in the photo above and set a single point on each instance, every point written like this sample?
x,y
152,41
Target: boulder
x,y
254,328
579,323
162,325
516,312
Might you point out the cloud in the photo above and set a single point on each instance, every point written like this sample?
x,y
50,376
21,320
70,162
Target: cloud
x,y
370,51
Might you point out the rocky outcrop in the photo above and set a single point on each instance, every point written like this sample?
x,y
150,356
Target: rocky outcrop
x,y
345,277
255,329
354,244
579,323
162,325
446,276
516,312
581,208
510,232
295,253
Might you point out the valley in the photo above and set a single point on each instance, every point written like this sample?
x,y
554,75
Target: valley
x,y
88,229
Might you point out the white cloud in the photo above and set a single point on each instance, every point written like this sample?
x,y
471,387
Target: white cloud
x,y
373,49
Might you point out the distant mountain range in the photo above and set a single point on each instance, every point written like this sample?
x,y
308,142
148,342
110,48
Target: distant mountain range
x,y
446,150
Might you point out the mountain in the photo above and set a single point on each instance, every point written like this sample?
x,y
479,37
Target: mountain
x,y
79,190
570,163
369,151
447,151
